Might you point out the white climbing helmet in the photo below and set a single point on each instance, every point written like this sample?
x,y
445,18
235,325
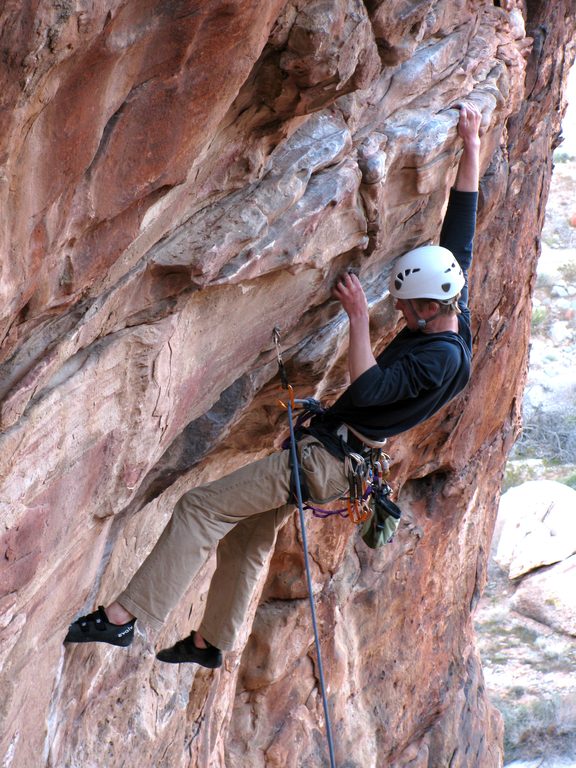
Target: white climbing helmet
x,y
428,272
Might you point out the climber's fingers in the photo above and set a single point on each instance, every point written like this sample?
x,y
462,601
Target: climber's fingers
x,y
350,294
469,120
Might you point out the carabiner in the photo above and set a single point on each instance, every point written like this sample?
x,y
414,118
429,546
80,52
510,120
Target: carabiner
x,y
357,511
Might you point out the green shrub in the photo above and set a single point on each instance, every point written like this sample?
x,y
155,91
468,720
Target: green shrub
x,y
538,727
568,272
539,318
550,436
544,280
518,472
570,480
561,156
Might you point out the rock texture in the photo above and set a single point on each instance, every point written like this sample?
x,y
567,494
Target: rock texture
x,y
548,596
538,526
176,179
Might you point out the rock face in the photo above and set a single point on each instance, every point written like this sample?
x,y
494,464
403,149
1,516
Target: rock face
x,y
177,179
536,529
548,596
538,526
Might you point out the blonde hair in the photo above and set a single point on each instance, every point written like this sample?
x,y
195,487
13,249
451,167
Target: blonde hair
x,y
449,307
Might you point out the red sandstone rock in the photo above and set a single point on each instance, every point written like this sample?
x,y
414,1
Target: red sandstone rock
x,y
177,179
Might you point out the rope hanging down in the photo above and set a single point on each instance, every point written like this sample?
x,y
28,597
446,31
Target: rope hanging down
x,y
290,407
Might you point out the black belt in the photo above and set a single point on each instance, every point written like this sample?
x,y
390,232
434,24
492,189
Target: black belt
x,y
334,443
356,444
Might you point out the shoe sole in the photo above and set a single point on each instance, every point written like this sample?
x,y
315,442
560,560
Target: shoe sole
x,y
99,640
190,661
180,660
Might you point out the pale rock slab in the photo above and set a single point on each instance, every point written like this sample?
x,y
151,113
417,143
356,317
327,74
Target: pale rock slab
x,y
539,526
550,596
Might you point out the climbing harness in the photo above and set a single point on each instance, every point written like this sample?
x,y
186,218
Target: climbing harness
x,y
369,504
368,501
295,467
366,471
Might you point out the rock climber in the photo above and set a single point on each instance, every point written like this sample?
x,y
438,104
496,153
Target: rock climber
x,y
421,370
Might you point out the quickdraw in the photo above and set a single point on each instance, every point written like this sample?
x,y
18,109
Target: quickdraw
x,y
365,481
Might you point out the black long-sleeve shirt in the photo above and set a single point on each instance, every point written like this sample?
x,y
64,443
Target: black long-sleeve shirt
x,y
418,373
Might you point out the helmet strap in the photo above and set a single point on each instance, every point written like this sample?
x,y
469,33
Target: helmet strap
x,y
422,323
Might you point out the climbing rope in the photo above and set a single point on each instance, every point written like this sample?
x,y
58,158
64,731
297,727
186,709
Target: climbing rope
x,y
295,468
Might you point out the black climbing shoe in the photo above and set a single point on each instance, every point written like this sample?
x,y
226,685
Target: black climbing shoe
x,y
95,628
185,650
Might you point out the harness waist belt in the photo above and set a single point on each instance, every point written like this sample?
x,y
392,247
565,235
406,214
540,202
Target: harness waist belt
x,y
358,442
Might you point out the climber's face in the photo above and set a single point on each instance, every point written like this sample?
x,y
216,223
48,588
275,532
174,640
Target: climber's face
x,y
415,310
410,315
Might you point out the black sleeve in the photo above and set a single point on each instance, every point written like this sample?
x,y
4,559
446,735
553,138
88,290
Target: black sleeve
x,y
458,231
406,378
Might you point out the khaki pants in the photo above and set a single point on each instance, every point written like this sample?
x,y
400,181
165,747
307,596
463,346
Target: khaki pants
x,y
242,514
